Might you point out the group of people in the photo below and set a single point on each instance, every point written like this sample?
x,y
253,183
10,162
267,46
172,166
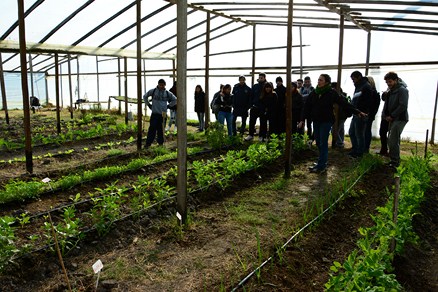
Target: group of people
x,y
260,102
319,109
313,107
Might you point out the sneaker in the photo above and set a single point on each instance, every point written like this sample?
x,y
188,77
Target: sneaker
x,y
249,138
393,164
382,153
313,166
318,170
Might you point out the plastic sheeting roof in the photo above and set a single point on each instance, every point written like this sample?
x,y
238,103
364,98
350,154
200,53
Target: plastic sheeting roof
x,y
109,25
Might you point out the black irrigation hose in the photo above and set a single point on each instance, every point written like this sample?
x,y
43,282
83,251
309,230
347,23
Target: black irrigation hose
x,y
107,158
244,280
67,141
123,217
88,200
126,190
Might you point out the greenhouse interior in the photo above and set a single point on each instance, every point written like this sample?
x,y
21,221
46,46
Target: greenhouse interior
x,y
168,145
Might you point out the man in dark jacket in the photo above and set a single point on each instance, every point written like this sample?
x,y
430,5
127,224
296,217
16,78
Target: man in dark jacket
x,y
361,100
396,114
256,106
241,103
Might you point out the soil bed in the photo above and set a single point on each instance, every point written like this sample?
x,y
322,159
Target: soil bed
x,y
230,232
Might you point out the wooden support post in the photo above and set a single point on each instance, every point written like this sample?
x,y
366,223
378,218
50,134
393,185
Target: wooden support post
x,y
97,79
425,144
207,72
119,67
58,116
126,89
340,56
77,76
139,95
46,86
3,91
24,87
301,53
31,75
182,109
253,54
70,86
367,62
288,150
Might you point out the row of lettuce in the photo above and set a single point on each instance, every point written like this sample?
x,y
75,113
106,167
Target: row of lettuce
x,y
369,267
115,203
88,126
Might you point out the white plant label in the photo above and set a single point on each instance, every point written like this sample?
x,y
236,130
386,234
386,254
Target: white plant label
x,y
97,266
178,215
46,180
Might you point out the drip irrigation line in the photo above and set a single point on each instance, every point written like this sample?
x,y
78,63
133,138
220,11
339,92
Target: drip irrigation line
x,y
244,280
55,143
93,228
52,191
58,208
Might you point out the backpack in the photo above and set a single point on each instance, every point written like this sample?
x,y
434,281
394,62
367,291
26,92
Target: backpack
x,y
347,112
215,107
375,103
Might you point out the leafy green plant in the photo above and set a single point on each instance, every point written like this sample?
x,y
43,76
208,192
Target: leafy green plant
x,y
204,173
216,135
7,241
105,212
299,142
370,266
68,231
20,190
23,219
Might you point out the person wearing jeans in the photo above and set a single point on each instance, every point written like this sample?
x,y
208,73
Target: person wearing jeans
x,y
225,102
362,99
319,108
321,132
161,99
357,135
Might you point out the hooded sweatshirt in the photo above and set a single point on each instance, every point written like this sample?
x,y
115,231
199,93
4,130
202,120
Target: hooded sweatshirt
x,y
396,103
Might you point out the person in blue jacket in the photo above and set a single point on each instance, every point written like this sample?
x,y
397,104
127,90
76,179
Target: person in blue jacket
x,y
161,100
